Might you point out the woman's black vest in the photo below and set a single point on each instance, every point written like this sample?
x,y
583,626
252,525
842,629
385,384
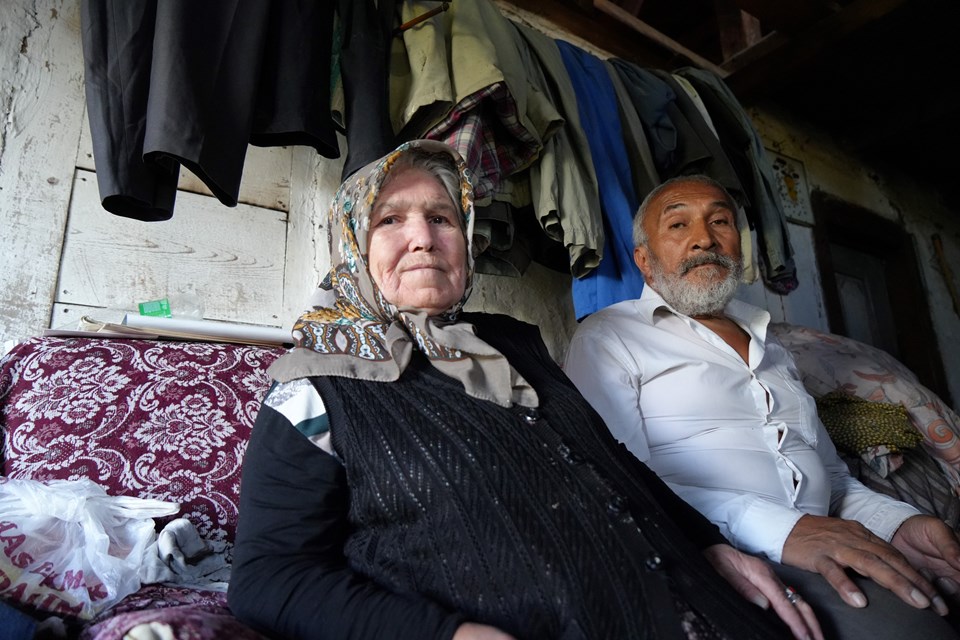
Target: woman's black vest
x,y
532,520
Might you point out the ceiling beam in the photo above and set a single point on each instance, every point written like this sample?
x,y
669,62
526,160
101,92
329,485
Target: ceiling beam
x,y
658,37
791,16
632,6
776,67
599,29
739,30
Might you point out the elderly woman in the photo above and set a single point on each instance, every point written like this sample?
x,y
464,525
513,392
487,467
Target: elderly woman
x,y
421,472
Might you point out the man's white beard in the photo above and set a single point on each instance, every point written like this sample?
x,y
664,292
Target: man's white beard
x,y
691,298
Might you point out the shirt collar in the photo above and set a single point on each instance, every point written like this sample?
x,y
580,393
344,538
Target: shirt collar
x,y
753,319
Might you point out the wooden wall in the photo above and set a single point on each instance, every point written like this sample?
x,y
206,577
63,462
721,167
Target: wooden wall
x,y
65,256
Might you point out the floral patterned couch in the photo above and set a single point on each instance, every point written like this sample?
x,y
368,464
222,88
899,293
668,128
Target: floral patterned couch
x,y
170,420
153,419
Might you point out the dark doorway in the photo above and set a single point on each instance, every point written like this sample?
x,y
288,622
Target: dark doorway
x,y
872,287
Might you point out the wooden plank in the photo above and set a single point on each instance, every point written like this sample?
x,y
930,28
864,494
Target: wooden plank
x,y
265,181
67,316
632,6
766,45
789,17
41,104
591,27
233,258
778,65
738,30
657,37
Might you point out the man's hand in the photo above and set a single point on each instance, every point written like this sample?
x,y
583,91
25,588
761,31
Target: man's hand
x,y
755,580
933,548
829,546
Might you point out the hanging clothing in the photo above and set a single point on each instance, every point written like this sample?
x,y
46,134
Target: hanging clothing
x,y
365,45
617,277
485,128
450,57
655,104
744,147
645,176
563,184
460,79
719,167
697,134
684,84
488,131
177,82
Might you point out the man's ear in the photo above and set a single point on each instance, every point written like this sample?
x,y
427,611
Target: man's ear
x,y
641,258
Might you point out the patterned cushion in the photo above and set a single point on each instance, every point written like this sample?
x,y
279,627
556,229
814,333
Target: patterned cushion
x,y
166,420
829,362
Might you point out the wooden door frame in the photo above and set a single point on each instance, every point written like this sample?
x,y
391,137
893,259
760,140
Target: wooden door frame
x,y
850,225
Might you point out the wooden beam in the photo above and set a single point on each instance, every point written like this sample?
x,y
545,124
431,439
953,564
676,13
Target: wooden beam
x,y
597,28
738,29
793,16
661,39
632,6
777,67
765,46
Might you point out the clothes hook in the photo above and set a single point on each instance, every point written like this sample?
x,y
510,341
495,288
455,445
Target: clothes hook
x,y
426,16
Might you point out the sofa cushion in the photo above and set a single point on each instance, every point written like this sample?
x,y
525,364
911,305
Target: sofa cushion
x,y
154,419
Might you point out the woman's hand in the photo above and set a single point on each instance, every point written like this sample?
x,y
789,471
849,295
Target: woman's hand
x,y
474,631
755,580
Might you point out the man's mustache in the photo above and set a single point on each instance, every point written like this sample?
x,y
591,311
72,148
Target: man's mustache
x,y
707,257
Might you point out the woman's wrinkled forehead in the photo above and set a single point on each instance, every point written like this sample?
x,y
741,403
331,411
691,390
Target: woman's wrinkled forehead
x,y
441,166
354,203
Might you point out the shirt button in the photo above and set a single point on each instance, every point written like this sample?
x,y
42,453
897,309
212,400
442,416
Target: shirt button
x,y
653,561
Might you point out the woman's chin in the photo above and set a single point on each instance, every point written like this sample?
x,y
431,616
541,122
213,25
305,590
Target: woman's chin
x,y
431,303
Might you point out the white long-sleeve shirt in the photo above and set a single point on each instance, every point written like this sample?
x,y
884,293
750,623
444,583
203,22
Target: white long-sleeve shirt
x,y
741,442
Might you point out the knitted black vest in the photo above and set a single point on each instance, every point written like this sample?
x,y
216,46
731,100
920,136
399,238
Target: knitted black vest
x,y
536,522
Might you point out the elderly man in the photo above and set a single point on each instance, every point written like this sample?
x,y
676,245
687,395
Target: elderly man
x,y
691,382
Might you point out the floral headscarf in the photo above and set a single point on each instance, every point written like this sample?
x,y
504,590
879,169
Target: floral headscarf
x,y
353,331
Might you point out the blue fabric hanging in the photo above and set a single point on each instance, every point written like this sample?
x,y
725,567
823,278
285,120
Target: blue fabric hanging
x,y
617,278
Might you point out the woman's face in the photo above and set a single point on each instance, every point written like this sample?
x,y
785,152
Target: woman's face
x,y
417,252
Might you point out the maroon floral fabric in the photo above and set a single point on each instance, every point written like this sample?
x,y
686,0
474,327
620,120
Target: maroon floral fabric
x,y
153,419
163,596
185,622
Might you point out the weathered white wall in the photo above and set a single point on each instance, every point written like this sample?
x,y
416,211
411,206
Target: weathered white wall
x,y
921,213
64,256
41,98
44,153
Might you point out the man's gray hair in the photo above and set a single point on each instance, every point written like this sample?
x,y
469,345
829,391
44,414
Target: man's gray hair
x,y
640,238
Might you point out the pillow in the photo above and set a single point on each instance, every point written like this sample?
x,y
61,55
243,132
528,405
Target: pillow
x,y
153,419
829,362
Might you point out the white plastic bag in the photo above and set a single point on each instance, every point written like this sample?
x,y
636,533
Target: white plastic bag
x,y
69,548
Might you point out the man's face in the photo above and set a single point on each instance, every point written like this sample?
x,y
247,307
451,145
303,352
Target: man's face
x,y
692,256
